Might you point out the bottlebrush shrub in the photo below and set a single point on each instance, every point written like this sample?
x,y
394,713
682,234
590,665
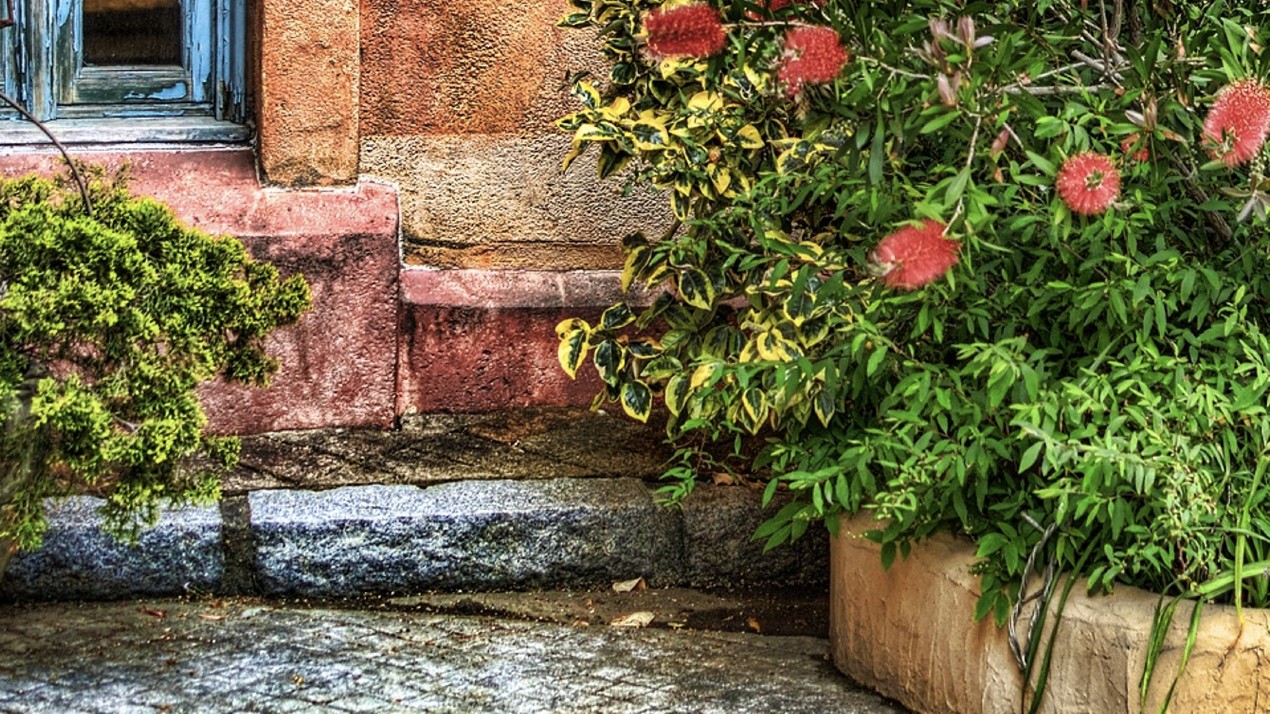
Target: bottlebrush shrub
x,y
108,322
1070,364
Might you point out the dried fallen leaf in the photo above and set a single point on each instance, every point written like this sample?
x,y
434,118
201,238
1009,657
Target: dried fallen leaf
x,y
722,479
754,625
626,586
155,613
633,619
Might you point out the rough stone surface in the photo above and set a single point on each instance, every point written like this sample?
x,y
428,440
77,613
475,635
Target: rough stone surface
x,y
180,554
478,360
478,67
908,633
469,535
239,656
434,448
309,91
718,523
500,201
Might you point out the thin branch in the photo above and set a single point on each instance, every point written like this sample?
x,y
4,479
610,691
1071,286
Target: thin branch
x,y
1051,90
79,179
894,70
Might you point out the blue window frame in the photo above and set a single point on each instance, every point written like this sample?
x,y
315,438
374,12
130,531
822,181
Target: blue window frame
x,y
153,70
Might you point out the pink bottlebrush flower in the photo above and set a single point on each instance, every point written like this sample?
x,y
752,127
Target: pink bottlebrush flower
x,y
813,55
1088,183
915,255
1238,122
694,30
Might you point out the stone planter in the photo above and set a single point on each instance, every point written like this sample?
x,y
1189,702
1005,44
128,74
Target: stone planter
x,y
909,634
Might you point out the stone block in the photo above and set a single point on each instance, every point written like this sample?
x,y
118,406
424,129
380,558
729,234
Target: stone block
x,y
485,535
182,553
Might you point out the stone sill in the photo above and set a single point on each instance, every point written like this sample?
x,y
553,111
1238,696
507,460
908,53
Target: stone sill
x,y
516,289
909,634
216,189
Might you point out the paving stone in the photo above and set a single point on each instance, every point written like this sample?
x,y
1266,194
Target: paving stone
x,y
141,663
465,535
181,553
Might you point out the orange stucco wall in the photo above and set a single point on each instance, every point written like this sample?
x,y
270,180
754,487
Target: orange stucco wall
x,y
308,97
458,109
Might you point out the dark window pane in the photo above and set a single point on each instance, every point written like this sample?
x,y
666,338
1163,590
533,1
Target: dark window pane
x,y
132,32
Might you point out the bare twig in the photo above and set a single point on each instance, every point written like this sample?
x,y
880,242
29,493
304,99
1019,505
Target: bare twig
x,y
894,70
1215,220
79,179
1043,594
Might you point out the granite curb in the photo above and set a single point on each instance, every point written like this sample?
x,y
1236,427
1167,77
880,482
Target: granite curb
x,y
481,535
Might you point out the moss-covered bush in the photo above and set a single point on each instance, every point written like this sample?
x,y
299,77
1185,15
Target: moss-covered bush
x,y
108,322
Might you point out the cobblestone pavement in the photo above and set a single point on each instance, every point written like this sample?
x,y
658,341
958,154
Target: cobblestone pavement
x,y
261,656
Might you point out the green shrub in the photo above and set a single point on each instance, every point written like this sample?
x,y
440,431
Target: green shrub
x,y
107,324
1094,365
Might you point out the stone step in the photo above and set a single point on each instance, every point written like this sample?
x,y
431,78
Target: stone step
x,y
473,535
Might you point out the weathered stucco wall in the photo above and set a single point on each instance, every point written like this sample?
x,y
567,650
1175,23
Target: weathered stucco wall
x,y
308,91
458,108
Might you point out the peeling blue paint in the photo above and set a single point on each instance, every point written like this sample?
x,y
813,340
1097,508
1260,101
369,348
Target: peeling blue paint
x,y
175,91
64,10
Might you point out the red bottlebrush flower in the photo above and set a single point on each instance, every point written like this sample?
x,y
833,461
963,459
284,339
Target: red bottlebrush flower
x,y
813,55
1135,140
1088,183
685,31
1238,122
916,255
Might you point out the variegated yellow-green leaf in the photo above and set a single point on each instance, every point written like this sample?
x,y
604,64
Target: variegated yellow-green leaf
x,y
603,131
756,78
617,108
695,288
754,405
609,360
705,375
771,345
719,176
799,306
677,390
587,94
637,400
812,331
824,407
749,137
681,205
572,350
574,153
617,317
649,132
573,323
636,259
706,101
611,162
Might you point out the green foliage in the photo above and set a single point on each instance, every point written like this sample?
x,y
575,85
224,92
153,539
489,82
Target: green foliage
x,y
1103,374
107,325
